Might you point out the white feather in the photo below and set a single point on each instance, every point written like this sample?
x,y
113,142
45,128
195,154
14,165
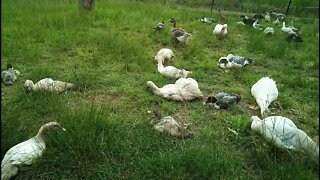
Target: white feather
x,y
265,92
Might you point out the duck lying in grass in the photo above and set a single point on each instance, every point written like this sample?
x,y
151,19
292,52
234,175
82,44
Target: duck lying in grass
x,y
246,20
184,89
159,26
269,31
284,134
164,55
222,100
9,76
265,92
206,20
171,71
233,61
258,26
26,152
170,126
180,35
220,31
48,84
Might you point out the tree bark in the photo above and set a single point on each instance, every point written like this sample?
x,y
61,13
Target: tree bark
x,y
87,4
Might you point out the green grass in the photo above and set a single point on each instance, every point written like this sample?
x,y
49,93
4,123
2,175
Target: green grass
x,y
110,50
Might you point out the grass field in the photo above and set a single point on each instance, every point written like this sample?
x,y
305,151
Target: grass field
x,y
110,50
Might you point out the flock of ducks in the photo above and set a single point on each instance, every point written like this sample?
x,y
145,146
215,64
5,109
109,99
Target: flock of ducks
x,y
293,33
278,130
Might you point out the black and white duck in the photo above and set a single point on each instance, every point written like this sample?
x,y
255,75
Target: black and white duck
x,y
160,26
222,100
234,61
10,75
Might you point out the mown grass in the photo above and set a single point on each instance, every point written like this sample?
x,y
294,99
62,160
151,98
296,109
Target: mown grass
x,y
110,50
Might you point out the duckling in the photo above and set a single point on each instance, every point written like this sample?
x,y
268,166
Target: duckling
x,y
178,34
184,89
160,26
258,26
26,152
284,134
165,55
171,71
170,126
9,76
222,100
265,92
220,31
48,84
269,31
234,61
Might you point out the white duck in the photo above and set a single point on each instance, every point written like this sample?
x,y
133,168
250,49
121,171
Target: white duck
x,y
171,71
265,92
170,126
48,84
220,30
165,55
288,29
283,133
233,61
276,22
184,89
269,31
26,152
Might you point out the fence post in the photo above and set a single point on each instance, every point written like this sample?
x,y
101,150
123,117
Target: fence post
x,y
288,7
212,5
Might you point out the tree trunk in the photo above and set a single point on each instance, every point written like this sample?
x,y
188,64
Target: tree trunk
x,y
87,4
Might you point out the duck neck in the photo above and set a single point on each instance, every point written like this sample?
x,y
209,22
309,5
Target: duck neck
x,y
174,24
160,65
42,134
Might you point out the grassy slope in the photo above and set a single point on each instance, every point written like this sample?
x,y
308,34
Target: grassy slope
x,y
111,51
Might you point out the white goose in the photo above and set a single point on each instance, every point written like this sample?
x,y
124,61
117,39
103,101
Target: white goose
x,y
47,84
26,152
264,91
184,89
165,55
283,133
220,30
171,71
